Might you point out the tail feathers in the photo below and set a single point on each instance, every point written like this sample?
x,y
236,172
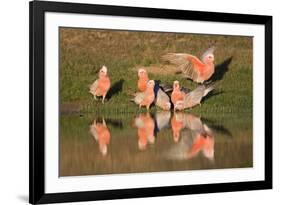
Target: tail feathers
x,y
207,90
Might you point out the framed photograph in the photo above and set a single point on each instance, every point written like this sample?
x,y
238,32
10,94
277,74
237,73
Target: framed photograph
x,y
141,102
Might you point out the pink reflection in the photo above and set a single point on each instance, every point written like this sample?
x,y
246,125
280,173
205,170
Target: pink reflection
x,y
101,134
145,130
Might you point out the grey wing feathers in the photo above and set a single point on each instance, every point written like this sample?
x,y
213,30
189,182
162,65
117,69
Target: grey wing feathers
x,y
175,58
161,95
207,90
139,97
162,99
93,87
180,60
194,97
188,70
166,87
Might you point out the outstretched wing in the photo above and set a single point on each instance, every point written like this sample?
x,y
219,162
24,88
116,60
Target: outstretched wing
x,y
189,65
194,97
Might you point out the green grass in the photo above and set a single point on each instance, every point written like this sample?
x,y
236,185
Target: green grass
x,y
84,51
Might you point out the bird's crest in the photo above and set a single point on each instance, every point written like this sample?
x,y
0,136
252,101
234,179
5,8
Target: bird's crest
x,y
141,70
104,68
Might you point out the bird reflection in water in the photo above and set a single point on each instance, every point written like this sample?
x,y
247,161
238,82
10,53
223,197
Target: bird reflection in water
x,y
162,121
145,130
192,137
101,134
202,138
177,124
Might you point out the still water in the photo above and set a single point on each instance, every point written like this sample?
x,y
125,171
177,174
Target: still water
x,y
151,142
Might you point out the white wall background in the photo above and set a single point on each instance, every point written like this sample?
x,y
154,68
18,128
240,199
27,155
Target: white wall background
x,y
14,103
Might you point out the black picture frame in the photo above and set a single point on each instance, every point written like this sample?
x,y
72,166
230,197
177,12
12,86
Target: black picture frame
x,y
37,10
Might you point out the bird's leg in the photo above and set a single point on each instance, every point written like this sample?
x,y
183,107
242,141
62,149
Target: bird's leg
x,y
95,97
147,107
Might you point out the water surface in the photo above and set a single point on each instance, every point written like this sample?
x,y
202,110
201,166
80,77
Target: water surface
x,y
153,142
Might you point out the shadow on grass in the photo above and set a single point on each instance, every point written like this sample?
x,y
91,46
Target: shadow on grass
x,y
116,88
221,70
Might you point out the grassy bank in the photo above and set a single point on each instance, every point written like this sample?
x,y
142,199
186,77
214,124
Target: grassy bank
x,y
84,51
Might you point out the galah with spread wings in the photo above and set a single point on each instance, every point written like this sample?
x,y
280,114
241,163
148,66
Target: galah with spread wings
x,y
198,70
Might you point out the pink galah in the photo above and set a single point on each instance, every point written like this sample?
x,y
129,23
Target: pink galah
x,y
198,70
177,94
162,100
142,79
101,86
147,97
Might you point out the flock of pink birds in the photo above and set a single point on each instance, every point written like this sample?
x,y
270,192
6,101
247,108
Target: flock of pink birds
x,y
198,70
